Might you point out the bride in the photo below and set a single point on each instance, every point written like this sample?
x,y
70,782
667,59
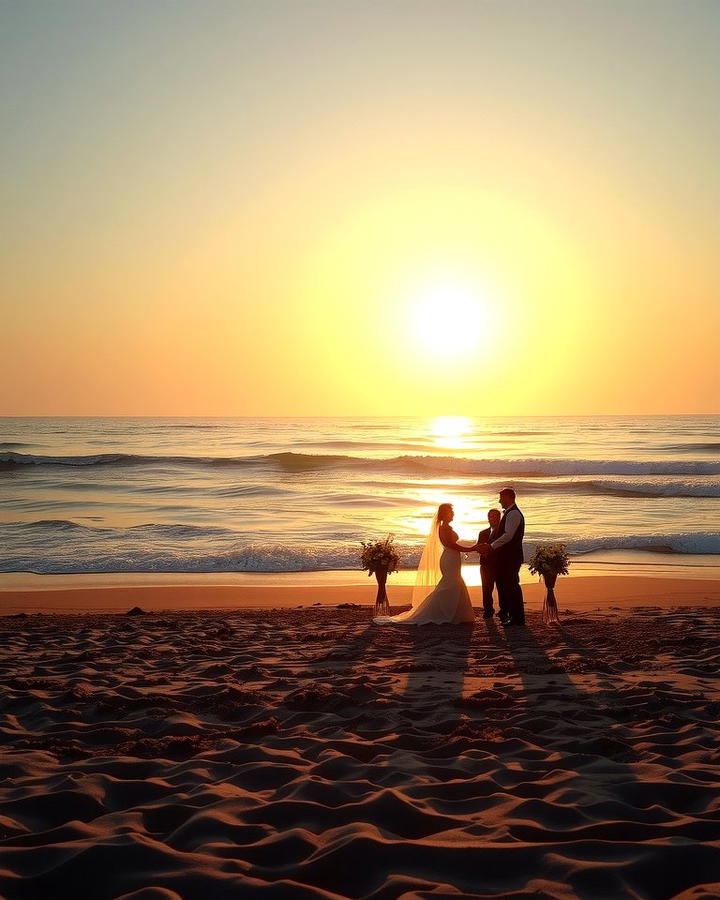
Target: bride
x,y
440,595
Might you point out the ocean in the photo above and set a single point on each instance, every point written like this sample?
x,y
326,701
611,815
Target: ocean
x,y
100,495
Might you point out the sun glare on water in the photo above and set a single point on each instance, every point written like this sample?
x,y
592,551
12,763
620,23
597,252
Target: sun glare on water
x,y
450,427
450,432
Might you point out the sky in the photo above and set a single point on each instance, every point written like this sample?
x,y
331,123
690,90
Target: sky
x,y
358,208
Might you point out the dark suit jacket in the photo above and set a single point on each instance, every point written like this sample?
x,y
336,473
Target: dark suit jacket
x,y
486,562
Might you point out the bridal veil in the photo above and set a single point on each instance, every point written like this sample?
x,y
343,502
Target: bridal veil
x,y
428,572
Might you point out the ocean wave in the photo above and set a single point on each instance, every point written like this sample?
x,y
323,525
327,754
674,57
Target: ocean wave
x,y
661,486
250,490
704,447
646,488
150,529
48,524
685,543
193,426
407,464
58,546
12,460
366,445
545,466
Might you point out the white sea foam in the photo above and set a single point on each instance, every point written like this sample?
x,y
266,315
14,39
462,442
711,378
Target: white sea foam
x,y
71,548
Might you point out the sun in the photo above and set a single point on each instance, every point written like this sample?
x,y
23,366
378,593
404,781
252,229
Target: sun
x,y
450,317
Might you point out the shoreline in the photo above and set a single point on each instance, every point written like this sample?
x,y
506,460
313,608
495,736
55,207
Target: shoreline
x,y
588,592
612,563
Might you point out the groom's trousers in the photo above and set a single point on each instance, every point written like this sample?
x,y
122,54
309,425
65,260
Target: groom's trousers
x,y
488,578
510,595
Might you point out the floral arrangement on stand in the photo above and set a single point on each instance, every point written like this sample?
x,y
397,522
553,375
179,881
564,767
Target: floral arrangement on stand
x,y
548,561
380,558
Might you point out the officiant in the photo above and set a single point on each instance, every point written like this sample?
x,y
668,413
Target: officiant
x,y
487,566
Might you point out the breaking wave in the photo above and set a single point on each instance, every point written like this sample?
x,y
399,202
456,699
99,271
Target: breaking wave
x,y
408,464
71,548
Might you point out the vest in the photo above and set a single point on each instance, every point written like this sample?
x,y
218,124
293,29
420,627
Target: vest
x,y
511,554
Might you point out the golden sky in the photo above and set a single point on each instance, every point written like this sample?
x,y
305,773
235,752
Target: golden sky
x,y
349,208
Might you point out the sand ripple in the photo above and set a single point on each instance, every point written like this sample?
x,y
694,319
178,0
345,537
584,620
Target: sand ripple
x,y
307,754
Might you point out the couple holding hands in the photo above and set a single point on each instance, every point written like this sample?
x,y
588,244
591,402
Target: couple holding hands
x,y
440,595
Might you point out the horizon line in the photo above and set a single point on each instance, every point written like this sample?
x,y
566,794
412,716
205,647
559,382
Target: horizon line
x,y
667,415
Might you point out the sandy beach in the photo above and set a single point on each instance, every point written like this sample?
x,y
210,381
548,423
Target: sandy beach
x,y
276,748
31,594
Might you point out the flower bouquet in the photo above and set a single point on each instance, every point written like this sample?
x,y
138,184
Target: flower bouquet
x,y
381,559
549,561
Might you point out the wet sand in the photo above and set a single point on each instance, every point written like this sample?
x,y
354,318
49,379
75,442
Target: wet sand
x,y
49,594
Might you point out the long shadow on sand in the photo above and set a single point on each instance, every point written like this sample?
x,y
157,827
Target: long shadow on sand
x,y
436,660
571,729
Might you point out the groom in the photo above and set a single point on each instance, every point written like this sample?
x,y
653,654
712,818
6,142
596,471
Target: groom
x,y
507,555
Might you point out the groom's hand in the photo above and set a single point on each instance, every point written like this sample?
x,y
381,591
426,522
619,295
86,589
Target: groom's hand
x,y
483,549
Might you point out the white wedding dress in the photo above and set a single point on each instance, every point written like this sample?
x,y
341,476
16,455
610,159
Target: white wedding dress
x,y
448,603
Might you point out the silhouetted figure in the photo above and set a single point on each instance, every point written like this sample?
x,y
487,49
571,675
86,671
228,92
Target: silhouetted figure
x,y
487,566
507,554
440,596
